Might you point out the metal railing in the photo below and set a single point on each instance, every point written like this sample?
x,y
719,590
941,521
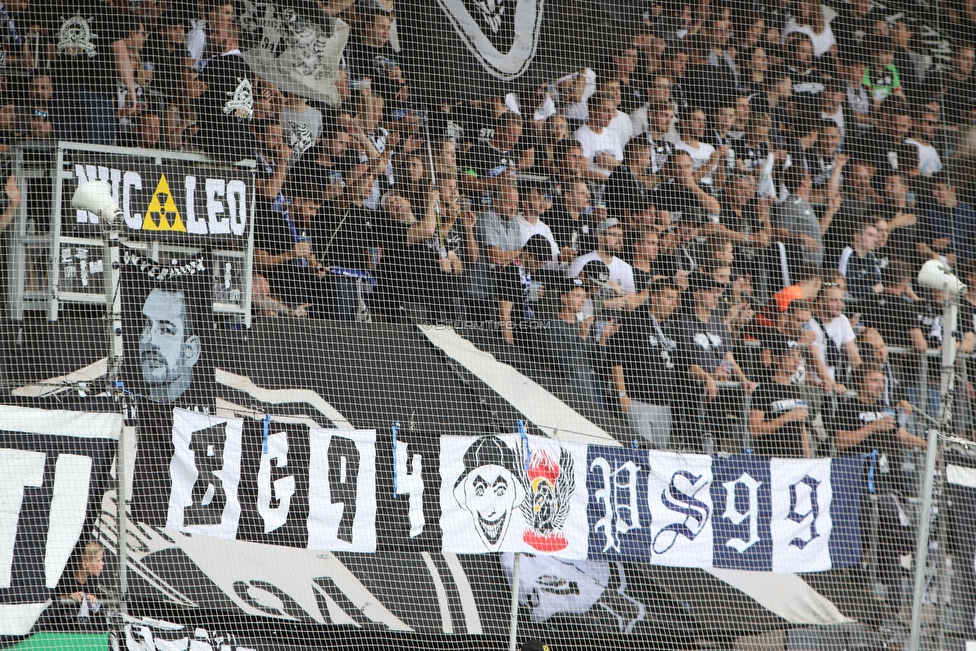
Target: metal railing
x,y
962,418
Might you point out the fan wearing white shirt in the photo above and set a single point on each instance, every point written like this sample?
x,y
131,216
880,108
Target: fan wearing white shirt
x,y
601,146
837,328
704,157
530,222
620,124
610,242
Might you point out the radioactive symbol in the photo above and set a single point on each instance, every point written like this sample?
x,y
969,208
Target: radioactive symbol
x,y
162,214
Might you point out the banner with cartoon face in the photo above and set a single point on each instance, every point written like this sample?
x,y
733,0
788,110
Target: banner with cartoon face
x,y
512,493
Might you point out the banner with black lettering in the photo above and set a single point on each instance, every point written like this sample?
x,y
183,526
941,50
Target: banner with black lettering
x,y
54,468
166,318
174,201
357,484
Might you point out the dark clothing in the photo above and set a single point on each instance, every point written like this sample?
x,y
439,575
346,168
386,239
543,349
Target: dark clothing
x,y
885,153
862,274
68,585
701,343
225,110
774,400
753,156
807,87
852,415
661,151
347,239
958,98
275,232
376,63
893,316
577,234
83,52
647,354
958,225
486,161
624,192
850,28
675,198
571,359
707,85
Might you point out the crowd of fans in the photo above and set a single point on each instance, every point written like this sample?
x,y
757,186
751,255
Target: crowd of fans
x,y
735,202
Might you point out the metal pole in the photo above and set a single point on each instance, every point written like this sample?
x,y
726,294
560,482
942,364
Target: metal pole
x,y
513,616
113,303
950,317
922,542
122,493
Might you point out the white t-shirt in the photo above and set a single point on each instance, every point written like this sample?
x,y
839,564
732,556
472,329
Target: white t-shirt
x,y
539,228
929,161
301,129
593,143
822,42
623,127
700,156
620,271
840,330
836,333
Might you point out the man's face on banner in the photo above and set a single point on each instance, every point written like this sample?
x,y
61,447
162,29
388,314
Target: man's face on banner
x,y
167,350
490,493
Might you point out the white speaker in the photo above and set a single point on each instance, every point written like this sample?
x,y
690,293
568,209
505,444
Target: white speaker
x,y
96,197
934,275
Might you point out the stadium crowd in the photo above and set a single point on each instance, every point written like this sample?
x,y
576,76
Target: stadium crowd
x,y
734,203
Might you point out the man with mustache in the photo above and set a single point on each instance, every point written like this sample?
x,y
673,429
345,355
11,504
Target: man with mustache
x,y
168,349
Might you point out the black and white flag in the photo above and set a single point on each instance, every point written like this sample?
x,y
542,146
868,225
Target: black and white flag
x,y
479,48
294,45
54,466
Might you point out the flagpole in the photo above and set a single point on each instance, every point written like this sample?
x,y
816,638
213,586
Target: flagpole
x,y
513,613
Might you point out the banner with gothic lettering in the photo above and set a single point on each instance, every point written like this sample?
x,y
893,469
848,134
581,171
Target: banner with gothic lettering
x,y
743,512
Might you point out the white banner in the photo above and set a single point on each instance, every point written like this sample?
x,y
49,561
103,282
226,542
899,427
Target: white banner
x,y
514,494
680,501
801,524
342,490
205,471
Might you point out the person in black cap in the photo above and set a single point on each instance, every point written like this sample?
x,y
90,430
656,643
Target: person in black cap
x,y
777,419
610,242
705,357
535,645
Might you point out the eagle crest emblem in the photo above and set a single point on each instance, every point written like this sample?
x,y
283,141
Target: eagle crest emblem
x,y
546,508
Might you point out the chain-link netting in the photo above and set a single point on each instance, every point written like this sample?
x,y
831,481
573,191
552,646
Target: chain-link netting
x,y
487,324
